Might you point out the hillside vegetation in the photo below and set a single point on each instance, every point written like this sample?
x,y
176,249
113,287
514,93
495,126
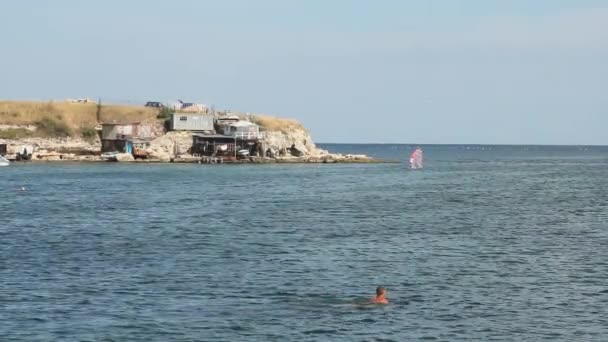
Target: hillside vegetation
x,y
270,123
61,119
64,119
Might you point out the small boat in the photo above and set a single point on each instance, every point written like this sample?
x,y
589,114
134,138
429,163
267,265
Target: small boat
x,y
109,156
25,153
243,153
4,161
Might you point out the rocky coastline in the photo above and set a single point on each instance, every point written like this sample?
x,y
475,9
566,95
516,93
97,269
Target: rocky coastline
x,y
67,131
174,147
74,150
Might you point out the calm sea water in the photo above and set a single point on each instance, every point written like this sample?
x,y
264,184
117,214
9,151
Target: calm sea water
x,y
486,243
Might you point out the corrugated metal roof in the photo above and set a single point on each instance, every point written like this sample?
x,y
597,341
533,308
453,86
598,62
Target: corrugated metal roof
x,y
242,124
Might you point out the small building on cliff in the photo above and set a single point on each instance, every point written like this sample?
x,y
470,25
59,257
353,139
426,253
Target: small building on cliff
x,y
240,129
191,122
235,138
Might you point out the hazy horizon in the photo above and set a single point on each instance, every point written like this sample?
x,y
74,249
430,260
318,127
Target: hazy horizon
x,y
424,72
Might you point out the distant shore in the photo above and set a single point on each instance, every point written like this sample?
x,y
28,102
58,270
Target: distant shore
x,y
58,131
327,159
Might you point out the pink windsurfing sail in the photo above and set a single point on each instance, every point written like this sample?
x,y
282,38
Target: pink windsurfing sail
x,y
416,159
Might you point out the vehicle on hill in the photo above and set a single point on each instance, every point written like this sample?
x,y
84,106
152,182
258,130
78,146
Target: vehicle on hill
x,y
154,104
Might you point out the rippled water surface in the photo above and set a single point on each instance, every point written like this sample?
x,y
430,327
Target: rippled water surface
x,y
499,244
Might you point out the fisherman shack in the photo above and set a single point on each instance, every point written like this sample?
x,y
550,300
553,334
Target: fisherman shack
x,y
240,129
119,137
238,139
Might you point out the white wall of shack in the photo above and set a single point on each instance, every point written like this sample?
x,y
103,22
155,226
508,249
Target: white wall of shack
x,y
182,122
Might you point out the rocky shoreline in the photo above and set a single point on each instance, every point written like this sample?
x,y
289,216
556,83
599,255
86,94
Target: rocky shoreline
x,y
163,151
335,159
56,132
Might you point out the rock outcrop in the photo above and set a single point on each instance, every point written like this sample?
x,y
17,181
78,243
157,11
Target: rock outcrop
x,y
125,157
170,145
283,141
50,148
282,134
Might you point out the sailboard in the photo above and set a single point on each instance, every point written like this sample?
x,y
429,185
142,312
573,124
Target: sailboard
x,y
417,159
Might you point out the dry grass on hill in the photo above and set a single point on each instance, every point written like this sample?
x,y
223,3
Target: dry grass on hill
x,y
70,118
60,119
270,123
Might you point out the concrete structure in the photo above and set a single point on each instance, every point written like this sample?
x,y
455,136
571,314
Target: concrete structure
x,y
122,146
191,122
119,137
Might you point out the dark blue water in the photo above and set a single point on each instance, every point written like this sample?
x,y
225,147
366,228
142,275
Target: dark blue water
x,y
485,244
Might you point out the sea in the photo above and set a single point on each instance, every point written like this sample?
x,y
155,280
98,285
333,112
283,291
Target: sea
x,y
485,243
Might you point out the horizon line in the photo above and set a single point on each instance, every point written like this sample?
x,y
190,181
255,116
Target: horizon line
x,y
460,144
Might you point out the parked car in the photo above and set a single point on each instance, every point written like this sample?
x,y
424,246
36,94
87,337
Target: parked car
x,y
155,104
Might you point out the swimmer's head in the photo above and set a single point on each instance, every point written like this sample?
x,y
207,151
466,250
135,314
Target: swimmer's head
x,y
380,291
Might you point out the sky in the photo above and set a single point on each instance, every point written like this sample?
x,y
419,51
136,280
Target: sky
x,y
352,71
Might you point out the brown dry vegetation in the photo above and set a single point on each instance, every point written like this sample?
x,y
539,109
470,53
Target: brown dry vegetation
x,y
270,123
63,118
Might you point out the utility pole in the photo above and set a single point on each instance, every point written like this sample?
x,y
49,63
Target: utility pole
x,y
99,110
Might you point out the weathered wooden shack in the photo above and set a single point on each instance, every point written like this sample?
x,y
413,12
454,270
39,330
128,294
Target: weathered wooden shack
x,y
118,137
117,131
222,145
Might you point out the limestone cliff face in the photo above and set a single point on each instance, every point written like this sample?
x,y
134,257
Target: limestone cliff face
x,y
281,140
283,133
73,145
170,145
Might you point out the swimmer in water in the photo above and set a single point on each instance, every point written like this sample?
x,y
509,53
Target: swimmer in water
x,y
380,296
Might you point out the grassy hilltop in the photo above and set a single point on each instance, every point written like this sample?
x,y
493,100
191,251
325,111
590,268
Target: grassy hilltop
x,y
65,119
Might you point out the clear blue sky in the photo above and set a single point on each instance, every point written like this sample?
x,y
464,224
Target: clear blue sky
x,y
426,71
